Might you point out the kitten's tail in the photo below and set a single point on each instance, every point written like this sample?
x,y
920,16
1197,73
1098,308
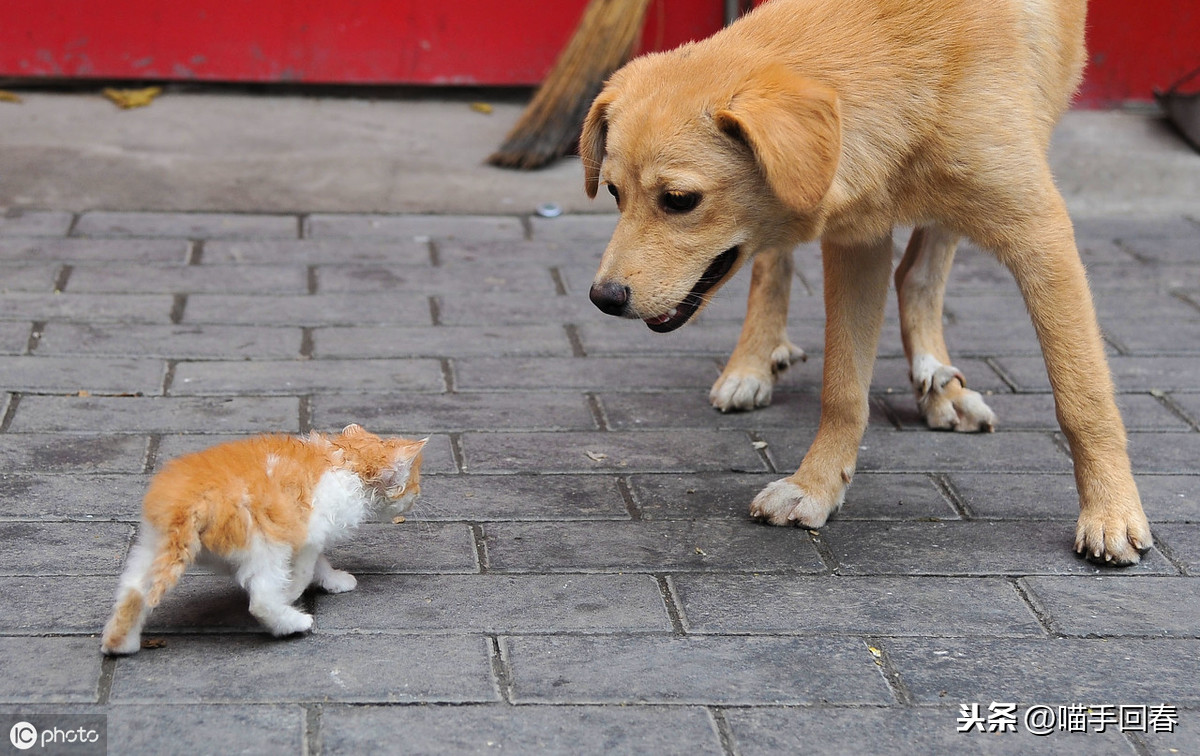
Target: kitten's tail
x,y
155,565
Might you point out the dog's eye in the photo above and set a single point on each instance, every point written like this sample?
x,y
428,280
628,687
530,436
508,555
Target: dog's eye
x,y
613,191
680,202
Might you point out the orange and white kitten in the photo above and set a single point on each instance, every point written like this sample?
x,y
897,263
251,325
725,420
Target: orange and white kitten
x,y
266,507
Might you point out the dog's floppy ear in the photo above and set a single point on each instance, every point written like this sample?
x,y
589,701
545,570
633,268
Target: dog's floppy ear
x,y
591,140
792,124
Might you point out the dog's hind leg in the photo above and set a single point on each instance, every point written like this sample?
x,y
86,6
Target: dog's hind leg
x,y
763,349
1038,246
856,284
941,389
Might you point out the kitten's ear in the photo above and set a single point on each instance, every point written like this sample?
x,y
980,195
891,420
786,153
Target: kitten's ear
x,y
353,429
405,454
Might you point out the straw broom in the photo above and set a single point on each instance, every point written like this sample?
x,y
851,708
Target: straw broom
x,y
549,127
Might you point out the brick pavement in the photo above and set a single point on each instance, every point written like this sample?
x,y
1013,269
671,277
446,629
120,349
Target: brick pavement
x,y
581,575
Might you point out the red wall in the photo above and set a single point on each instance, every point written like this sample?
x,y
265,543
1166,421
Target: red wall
x,y
1135,45
499,42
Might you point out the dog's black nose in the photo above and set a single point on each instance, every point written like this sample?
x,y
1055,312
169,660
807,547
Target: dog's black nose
x,y
612,298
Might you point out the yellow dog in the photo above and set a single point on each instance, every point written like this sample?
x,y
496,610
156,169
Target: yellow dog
x,y
840,119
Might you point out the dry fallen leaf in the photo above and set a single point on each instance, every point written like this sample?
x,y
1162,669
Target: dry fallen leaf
x,y
84,392
132,98
481,107
759,444
596,456
154,642
398,519
9,96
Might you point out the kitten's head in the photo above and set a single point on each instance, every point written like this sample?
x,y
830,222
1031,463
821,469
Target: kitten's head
x,y
391,467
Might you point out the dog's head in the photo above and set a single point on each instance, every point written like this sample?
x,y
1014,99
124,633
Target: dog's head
x,y
708,166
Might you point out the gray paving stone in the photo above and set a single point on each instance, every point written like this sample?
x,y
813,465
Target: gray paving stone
x,y
106,414
407,548
1185,737
834,605
1149,337
71,495
489,498
1118,606
305,376
1152,300
1164,452
719,670
55,606
186,730
625,452
78,454
346,309
1131,374
491,373
29,277
555,253
14,338
702,337
314,251
928,451
89,308
73,677
510,278
456,412
1181,249
437,457
63,548
93,374
788,409
1183,540
967,548
583,730
1166,498
491,309
15,222
170,341
687,546
584,228
899,731
188,225
318,668
496,604
872,497
1036,412
94,251
374,227
1115,671
82,604
1190,403
1125,229
548,340
187,279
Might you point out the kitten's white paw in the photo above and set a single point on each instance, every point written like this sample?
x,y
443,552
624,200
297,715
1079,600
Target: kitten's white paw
x,y
338,581
130,644
290,622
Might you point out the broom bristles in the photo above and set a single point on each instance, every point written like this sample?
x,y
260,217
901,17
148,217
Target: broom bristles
x,y
549,127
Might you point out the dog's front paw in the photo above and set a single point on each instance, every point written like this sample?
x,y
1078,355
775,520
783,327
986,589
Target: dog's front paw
x,y
945,401
338,581
785,503
745,385
1115,538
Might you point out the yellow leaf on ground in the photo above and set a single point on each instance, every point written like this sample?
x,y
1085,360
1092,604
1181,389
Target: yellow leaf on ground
x,y
481,107
9,96
132,98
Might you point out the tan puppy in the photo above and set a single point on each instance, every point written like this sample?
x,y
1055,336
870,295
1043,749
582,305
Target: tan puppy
x,y
840,119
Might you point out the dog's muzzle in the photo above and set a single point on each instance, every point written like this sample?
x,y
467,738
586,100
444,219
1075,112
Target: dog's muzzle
x,y
612,298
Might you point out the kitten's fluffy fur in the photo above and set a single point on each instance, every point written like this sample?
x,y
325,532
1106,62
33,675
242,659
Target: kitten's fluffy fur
x,y
266,507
